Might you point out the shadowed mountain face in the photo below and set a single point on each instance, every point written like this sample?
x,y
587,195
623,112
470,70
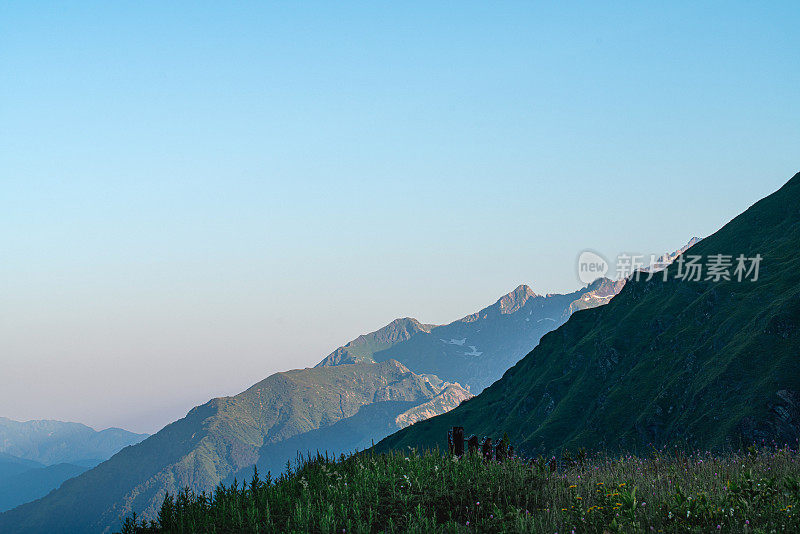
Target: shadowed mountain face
x,y
476,350
53,442
711,363
12,465
370,424
25,486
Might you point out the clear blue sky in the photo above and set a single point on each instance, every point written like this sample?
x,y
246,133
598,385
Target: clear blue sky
x,y
196,195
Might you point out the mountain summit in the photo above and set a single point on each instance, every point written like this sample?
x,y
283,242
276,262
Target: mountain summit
x,y
516,299
364,346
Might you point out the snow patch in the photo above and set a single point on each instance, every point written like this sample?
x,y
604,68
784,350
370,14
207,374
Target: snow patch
x,y
473,352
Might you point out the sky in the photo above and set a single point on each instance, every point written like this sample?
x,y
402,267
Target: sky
x,y
194,195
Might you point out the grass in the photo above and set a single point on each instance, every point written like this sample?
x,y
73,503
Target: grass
x,y
753,491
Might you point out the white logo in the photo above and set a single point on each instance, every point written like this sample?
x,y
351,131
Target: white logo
x,y
591,266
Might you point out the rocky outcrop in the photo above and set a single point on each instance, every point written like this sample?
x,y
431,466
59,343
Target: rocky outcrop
x,y
449,398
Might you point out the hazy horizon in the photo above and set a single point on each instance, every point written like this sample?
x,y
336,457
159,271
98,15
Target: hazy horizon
x,y
196,197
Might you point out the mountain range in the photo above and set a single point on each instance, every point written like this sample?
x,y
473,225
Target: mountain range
x,y
363,391
710,363
477,349
37,456
51,442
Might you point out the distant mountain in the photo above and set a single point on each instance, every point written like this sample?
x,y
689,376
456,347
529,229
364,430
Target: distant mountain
x,y
12,465
34,483
709,364
669,258
602,291
53,442
476,350
37,456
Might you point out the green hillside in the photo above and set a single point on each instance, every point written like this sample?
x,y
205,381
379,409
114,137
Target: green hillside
x,y
710,364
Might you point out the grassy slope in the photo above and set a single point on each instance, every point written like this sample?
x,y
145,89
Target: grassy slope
x,y
709,363
750,493
213,441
